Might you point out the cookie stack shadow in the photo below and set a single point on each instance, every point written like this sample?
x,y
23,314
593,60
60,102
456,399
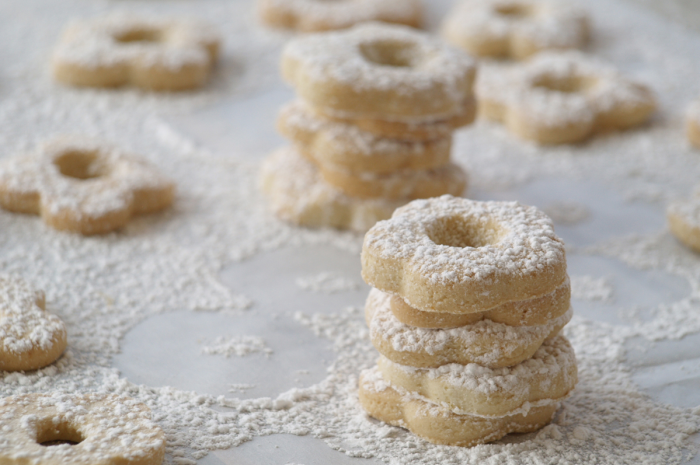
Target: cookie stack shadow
x,y
451,371
349,170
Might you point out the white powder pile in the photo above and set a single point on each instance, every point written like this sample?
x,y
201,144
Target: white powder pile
x,y
585,287
327,282
240,346
101,287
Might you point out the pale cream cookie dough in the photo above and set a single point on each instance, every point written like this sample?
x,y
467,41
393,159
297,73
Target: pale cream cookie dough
x,y
90,429
298,194
487,343
120,49
82,186
684,220
561,98
438,425
515,28
347,147
456,255
548,377
324,15
380,71
30,337
692,124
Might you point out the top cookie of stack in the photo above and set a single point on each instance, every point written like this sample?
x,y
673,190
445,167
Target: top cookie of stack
x,y
374,120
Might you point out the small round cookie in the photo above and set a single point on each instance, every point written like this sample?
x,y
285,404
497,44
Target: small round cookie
x,y
154,54
490,344
380,71
548,377
416,131
299,195
514,28
347,147
438,425
684,221
536,311
91,429
82,186
30,338
456,255
405,184
324,15
561,98
692,124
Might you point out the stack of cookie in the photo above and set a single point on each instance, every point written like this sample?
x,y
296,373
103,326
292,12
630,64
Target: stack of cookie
x,y
468,301
372,128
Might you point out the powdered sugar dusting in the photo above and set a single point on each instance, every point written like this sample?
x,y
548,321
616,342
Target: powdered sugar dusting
x,y
585,287
327,282
240,346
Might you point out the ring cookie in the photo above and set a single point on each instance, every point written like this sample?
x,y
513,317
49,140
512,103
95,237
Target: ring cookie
x,y
535,311
298,194
487,343
560,98
324,15
692,124
380,71
91,429
30,338
82,186
455,255
546,378
514,28
438,425
684,221
154,54
347,147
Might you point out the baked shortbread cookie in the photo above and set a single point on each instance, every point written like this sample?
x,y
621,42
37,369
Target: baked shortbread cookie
x,y
455,255
684,220
82,186
347,147
438,425
414,131
535,311
487,343
324,15
404,184
515,28
692,124
548,377
560,98
299,194
120,49
380,71
86,429
30,337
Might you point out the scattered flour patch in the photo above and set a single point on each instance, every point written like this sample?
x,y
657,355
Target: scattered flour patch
x,y
240,346
567,213
586,287
327,282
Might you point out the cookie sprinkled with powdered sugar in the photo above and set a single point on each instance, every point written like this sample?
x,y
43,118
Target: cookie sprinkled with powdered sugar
x,y
104,428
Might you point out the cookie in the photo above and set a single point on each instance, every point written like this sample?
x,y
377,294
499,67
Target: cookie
x,y
82,186
487,343
322,15
561,98
404,184
684,221
154,54
438,425
347,147
535,311
298,194
455,255
414,131
380,71
514,28
86,429
692,124
30,337
548,377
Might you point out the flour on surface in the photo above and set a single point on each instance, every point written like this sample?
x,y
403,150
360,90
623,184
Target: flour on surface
x,y
327,282
240,346
586,287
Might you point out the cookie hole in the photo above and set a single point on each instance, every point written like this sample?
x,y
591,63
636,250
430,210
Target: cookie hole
x,y
512,10
390,53
461,232
79,165
139,35
56,434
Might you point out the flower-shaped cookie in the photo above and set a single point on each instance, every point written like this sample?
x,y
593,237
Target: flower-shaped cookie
x,y
155,54
82,186
515,28
30,338
559,98
692,124
684,220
